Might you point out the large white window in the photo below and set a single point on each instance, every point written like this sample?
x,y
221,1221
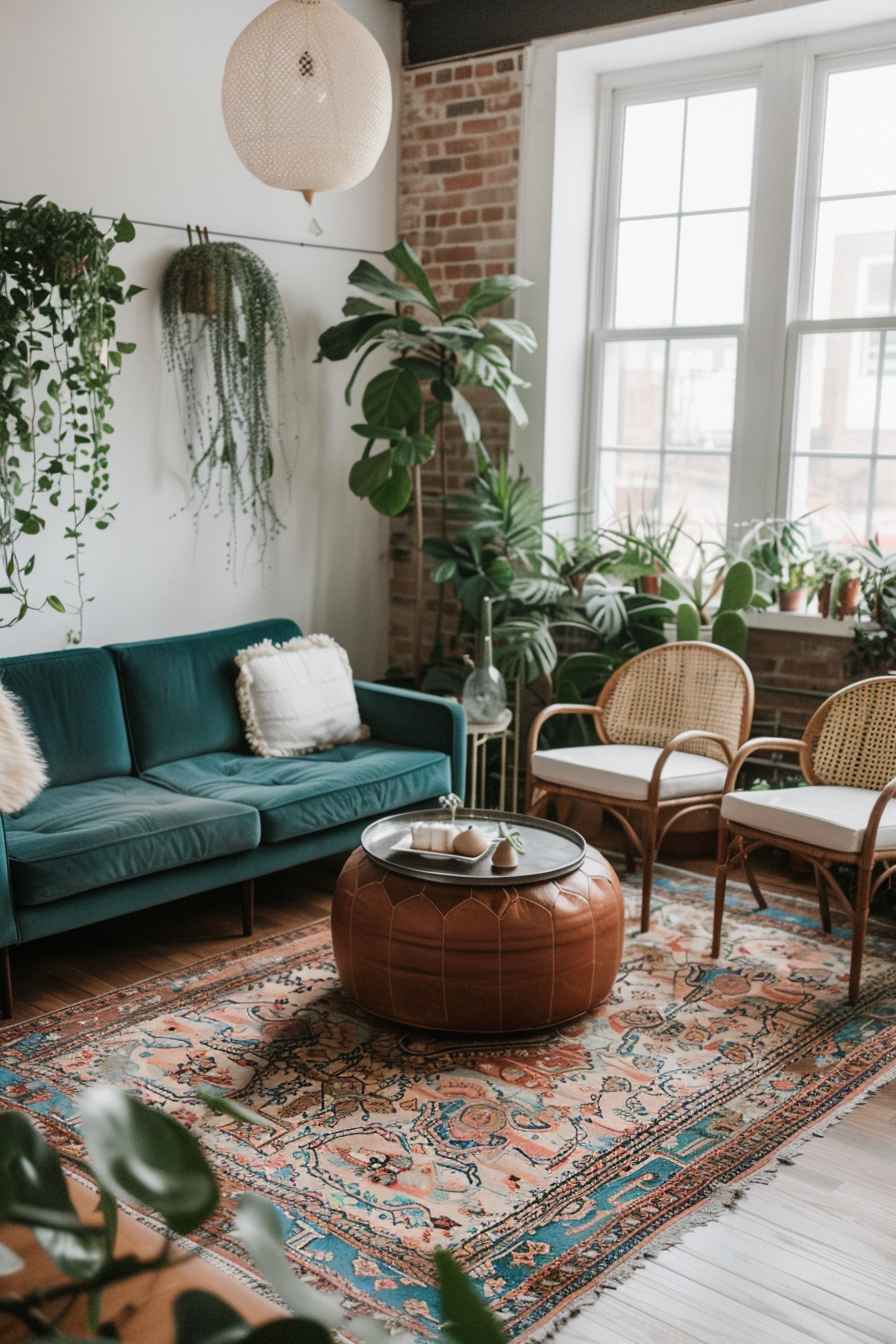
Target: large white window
x,y
844,437
673,301
743,321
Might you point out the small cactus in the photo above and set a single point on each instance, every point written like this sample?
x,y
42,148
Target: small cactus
x,y
687,622
738,588
730,630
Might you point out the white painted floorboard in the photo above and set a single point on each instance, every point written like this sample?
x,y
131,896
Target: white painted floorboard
x,y
809,1258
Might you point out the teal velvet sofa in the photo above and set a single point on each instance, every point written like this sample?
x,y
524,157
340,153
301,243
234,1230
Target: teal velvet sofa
x,y
154,795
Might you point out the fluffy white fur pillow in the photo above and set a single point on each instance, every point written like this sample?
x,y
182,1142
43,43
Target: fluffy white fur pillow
x,y
297,697
22,770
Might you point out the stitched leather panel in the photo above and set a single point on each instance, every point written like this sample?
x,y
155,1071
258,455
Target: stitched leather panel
x,y
478,959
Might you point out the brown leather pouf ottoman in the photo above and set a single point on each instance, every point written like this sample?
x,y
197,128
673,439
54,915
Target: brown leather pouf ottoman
x,y
477,959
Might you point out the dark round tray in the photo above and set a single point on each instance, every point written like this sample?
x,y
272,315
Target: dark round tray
x,y
551,850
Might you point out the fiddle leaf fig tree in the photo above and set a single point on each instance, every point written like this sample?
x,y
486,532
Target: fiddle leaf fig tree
x,y
434,356
59,295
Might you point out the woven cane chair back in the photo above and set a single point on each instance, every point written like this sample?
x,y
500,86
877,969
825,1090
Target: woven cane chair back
x,y
852,737
675,688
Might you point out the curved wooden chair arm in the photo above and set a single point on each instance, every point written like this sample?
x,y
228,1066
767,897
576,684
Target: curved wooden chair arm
x,y
794,744
594,710
692,735
869,844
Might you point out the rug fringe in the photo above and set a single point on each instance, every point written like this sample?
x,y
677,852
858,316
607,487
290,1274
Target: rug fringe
x,y
726,1197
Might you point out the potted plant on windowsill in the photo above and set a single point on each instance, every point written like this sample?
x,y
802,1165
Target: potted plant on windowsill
x,y
779,551
793,589
837,582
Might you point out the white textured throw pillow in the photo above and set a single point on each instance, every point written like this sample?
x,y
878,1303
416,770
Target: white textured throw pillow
x,y
22,770
297,697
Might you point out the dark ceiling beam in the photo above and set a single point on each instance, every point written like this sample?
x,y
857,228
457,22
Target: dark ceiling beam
x,y
443,30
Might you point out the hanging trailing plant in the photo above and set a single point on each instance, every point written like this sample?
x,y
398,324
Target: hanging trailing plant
x,y
221,317
59,292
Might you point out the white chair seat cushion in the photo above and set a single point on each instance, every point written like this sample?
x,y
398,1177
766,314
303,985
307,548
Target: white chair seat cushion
x,y
624,771
825,815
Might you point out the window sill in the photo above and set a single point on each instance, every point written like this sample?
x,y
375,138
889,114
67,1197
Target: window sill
x,y
791,622
803,623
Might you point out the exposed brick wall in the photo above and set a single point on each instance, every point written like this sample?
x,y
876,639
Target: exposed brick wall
x,y
460,127
793,664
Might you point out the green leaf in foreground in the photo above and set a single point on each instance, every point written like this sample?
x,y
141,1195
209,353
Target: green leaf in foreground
x,y
32,1185
144,1157
235,1109
203,1318
33,1191
465,1317
257,1226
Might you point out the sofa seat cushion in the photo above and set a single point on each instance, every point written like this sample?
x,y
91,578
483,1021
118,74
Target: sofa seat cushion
x,y
311,793
825,815
81,836
624,771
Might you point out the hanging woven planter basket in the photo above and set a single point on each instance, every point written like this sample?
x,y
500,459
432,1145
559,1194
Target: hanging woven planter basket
x,y
222,366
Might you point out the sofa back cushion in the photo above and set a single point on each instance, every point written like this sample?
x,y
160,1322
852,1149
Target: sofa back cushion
x,y
72,701
179,694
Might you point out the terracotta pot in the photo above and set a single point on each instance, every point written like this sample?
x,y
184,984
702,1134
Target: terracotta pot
x,y
792,599
649,583
848,598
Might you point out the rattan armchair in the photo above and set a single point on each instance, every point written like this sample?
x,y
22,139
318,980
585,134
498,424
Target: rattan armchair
x,y
848,756
669,722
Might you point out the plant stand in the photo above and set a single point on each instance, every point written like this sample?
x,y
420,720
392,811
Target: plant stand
x,y
479,735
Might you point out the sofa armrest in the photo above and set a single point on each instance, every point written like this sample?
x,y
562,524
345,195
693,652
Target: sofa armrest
x,y
9,932
412,719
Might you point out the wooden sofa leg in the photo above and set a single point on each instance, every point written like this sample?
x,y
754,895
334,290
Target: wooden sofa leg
x,y
247,905
5,984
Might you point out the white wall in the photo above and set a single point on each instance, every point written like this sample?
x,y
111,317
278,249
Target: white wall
x,y
115,105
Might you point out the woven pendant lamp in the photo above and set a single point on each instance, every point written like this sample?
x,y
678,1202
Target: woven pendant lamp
x,y
307,97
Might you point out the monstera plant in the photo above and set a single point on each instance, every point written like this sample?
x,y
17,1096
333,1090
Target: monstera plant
x,y
434,355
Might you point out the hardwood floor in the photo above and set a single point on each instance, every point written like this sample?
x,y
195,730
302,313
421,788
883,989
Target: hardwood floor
x,y
810,1256
67,967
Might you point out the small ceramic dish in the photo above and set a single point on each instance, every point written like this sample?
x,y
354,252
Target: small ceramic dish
x,y
404,846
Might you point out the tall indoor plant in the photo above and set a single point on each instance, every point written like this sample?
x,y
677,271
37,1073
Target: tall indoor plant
x,y
433,357
59,295
221,316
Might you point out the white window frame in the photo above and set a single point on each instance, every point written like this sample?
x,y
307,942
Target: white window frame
x,y
802,324
701,79
570,86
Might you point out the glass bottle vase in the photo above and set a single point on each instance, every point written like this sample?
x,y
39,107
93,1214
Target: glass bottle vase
x,y
484,694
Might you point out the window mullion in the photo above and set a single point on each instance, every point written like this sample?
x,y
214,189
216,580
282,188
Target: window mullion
x,y
758,450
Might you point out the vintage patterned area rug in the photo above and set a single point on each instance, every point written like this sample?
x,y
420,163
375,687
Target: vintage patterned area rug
x,y
548,1163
